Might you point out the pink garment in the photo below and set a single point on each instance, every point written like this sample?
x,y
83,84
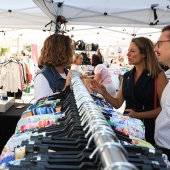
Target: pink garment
x,y
39,124
102,70
28,73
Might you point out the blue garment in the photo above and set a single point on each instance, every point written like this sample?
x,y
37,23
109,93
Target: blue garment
x,y
105,63
104,104
8,158
140,98
55,80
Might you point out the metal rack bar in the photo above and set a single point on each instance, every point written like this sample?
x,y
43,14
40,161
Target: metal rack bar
x,y
112,154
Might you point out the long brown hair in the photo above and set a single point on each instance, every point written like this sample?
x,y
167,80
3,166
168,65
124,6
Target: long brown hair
x,y
146,47
57,51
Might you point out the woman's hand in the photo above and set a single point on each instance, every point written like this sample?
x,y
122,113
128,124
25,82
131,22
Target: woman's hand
x,y
131,113
94,85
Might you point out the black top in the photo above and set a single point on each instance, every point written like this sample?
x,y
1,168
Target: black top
x,y
140,97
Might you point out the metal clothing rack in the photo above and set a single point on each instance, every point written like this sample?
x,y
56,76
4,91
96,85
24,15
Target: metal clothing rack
x,y
113,155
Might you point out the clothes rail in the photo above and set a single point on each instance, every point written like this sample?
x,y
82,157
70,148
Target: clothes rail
x,y
112,154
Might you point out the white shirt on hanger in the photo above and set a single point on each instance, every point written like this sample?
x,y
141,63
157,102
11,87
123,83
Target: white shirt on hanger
x,y
10,77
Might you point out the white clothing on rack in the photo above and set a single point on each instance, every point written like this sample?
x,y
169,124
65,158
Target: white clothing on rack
x,y
10,77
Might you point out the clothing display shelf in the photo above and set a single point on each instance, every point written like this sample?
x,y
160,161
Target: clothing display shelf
x,y
112,154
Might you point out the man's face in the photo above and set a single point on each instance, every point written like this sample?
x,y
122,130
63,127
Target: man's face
x,y
162,48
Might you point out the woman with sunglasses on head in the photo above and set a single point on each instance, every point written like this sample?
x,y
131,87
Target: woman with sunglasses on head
x,y
76,66
77,62
140,86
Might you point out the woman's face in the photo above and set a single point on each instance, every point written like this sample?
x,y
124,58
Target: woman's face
x,y
134,55
79,60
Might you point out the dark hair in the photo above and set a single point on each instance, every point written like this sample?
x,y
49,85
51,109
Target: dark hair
x,y
166,28
146,47
96,60
57,50
86,59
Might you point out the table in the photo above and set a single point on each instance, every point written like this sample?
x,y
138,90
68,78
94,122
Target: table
x,y
8,122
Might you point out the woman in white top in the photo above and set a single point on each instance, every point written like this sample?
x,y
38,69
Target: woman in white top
x,y
77,61
76,66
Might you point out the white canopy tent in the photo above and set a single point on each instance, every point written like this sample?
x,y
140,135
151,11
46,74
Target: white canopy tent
x,y
106,22
109,21
21,14
108,12
23,22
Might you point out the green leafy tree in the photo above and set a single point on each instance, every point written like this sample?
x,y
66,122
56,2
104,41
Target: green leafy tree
x,y
3,51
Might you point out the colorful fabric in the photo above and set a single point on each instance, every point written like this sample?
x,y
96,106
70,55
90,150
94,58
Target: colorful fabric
x,y
36,118
127,125
39,111
141,143
8,158
45,103
106,110
104,104
39,124
15,141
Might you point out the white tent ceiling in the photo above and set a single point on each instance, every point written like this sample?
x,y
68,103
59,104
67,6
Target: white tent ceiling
x,y
108,12
23,14
109,21
86,19
22,19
